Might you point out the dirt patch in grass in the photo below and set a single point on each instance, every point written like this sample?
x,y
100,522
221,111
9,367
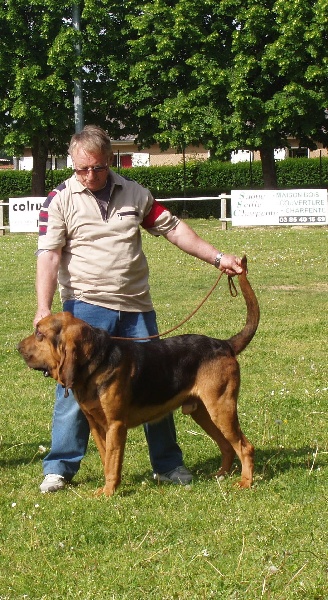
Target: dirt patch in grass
x,y
313,287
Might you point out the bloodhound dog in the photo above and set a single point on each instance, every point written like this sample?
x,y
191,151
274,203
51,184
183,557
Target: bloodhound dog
x,y
121,384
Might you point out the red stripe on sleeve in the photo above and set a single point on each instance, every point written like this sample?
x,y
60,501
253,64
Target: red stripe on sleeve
x,y
155,212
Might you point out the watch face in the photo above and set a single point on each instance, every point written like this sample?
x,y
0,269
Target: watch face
x,y
218,259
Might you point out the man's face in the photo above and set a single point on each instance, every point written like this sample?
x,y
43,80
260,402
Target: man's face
x,y
91,169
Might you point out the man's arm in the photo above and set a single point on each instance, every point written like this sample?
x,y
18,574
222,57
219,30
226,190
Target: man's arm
x,y
187,240
46,282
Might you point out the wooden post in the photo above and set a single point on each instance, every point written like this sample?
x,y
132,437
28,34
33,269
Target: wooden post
x,y
2,230
223,215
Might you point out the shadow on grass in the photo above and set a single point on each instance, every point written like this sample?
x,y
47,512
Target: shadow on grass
x,y
268,462
14,455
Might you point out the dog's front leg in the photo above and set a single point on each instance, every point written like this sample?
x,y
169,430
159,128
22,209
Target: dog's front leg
x,y
115,445
99,436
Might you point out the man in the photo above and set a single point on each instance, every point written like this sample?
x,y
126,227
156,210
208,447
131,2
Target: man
x,y
90,242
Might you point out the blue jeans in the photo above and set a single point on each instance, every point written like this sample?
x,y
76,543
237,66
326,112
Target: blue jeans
x,y
70,428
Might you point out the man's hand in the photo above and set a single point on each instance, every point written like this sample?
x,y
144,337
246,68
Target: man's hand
x,y
230,265
40,314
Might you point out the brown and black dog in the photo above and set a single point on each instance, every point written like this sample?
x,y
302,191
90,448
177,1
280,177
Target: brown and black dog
x,y
121,384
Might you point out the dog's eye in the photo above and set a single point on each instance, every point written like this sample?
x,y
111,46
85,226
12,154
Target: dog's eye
x,y
39,336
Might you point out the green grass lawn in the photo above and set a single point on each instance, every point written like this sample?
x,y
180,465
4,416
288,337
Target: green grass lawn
x,y
207,540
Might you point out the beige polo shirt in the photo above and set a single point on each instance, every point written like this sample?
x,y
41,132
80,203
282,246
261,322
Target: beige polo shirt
x,y
102,260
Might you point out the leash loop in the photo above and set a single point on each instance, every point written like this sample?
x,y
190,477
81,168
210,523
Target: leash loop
x,y
232,287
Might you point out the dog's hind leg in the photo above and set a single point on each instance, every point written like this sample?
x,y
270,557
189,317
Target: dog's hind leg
x,y
218,387
224,416
203,419
243,448
231,441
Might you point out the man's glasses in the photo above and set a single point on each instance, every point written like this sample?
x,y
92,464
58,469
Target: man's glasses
x,y
85,170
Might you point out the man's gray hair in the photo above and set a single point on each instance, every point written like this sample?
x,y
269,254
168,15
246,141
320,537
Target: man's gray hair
x,y
92,139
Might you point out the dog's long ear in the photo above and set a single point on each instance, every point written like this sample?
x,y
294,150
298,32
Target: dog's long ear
x,y
68,363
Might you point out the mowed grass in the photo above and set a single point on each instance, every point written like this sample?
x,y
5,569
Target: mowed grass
x,y
207,540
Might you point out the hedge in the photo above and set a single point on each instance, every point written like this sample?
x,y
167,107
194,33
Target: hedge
x,y
198,178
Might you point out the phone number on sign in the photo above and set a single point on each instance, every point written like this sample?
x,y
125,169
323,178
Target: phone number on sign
x,y
302,219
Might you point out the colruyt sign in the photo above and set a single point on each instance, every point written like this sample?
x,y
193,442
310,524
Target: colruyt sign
x,y
24,214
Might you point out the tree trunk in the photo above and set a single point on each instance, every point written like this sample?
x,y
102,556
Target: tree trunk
x,y
40,156
268,168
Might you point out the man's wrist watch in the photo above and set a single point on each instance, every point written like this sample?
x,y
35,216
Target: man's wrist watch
x,y
218,260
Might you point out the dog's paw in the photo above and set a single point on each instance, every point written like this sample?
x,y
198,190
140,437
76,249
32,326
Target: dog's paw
x,y
107,490
244,484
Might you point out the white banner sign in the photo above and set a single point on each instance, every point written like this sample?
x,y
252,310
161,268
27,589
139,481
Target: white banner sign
x,y
279,207
24,214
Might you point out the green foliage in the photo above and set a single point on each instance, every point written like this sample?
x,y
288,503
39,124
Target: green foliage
x,y
18,183
209,540
42,55
15,183
273,94
303,173
230,74
226,176
35,91
54,178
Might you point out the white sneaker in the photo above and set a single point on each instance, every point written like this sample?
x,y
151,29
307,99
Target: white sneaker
x,y
52,483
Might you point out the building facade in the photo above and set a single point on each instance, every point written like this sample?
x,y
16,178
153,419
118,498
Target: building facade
x,y
127,154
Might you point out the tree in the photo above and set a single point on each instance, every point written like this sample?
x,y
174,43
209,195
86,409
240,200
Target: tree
x,y
231,74
38,65
171,60
278,85
37,62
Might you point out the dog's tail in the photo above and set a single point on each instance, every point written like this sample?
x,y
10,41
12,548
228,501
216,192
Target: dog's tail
x,y
239,341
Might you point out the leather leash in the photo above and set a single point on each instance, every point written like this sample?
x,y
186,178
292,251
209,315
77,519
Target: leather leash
x,y
233,292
